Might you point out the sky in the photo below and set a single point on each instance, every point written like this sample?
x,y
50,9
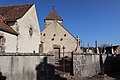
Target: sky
x,y
90,19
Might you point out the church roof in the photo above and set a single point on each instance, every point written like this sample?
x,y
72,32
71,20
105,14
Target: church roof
x,y
53,16
6,28
12,13
1,17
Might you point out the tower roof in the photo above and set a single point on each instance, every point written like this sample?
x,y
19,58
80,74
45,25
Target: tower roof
x,y
53,16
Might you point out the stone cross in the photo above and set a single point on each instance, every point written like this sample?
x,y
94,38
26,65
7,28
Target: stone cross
x,y
97,49
78,45
78,40
88,48
112,49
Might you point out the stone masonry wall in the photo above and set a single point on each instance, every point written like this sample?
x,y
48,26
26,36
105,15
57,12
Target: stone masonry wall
x,y
86,64
28,66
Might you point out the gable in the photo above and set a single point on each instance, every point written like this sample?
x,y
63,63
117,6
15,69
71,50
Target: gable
x,y
56,28
67,31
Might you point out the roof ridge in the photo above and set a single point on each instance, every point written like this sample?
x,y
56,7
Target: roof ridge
x,y
17,5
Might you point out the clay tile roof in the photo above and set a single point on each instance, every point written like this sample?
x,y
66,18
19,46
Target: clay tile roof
x,y
53,16
12,13
6,28
1,18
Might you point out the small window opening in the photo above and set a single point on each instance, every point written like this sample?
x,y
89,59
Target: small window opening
x,y
30,31
65,35
61,39
44,34
52,39
54,35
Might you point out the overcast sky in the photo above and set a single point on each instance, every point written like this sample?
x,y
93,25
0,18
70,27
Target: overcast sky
x,y
90,19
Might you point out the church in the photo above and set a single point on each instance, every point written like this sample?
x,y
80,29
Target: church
x,y
20,32
55,38
19,29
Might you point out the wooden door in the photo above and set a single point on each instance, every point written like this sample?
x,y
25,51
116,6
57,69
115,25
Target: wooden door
x,y
57,53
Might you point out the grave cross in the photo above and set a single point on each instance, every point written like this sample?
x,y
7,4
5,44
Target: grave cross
x,y
78,40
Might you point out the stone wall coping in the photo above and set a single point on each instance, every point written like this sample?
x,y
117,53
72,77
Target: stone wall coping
x,y
86,54
25,54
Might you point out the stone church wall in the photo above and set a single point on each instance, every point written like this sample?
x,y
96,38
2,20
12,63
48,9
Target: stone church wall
x,y
55,34
10,42
27,42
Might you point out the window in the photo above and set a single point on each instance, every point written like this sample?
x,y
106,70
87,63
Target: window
x,y
30,31
64,35
61,39
54,35
52,39
44,34
2,43
3,40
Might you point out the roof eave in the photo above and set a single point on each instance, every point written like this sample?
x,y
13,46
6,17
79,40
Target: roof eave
x,y
67,31
13,33
53,19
